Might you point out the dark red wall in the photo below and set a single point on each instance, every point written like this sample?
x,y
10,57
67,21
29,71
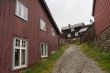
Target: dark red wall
x,y
102,15
12,26
46,37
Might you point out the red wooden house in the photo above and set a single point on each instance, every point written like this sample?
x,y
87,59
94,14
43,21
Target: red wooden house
x,y
102,22
27,34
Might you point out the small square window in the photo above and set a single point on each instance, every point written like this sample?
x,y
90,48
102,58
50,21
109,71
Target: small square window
x,y
23,52
17,43
23,43
21,10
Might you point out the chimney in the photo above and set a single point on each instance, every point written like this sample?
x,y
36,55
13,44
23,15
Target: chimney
x,y
69,25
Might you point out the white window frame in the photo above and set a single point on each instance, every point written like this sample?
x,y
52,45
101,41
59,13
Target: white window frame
x,y
20,48
53,32
76,34
42,25
44,50
21,10
69,35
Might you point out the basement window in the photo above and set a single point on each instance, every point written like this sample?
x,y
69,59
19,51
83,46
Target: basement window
x,y
19,53
44,50
21,10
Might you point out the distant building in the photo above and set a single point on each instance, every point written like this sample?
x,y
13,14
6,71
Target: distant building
x,y
71,31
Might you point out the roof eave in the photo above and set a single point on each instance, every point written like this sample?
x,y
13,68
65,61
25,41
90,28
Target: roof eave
x,y
44,4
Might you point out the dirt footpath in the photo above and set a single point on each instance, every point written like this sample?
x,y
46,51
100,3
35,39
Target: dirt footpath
x,y
74,61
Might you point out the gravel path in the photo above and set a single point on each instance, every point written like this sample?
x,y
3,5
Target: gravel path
x,y
74,61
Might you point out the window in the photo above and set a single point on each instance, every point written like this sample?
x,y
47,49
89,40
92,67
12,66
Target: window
x,y
42,25
72,29
76,33
44,50
68,35
53,32
19,53
21,11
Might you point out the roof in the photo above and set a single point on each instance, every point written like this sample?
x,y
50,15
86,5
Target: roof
x,y
94,5
77,25
64,28
83,29
86,25
44,4
72,26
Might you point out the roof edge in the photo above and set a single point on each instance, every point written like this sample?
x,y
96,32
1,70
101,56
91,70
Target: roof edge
x,y
45,6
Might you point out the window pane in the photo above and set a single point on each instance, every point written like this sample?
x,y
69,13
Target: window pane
x,y
17,57
17,8
45,50
17,43
26,13
23,43
22,11
19,13
53,32
23,56
42,50
42,25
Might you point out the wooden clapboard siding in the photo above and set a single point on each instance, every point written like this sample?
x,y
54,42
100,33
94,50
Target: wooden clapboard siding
x,y
102,15
12,26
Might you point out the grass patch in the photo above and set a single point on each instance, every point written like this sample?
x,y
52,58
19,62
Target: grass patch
x,y
101,57
46,66
76,41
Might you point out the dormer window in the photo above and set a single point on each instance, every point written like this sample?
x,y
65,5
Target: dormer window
x,y
21,10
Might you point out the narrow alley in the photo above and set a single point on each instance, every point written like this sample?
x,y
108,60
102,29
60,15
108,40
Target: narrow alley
x,y
74,61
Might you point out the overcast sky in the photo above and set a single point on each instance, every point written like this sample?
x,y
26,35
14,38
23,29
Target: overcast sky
x,y
70,11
